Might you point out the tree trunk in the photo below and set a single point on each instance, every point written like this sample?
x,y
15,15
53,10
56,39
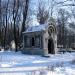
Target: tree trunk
x,y
24,18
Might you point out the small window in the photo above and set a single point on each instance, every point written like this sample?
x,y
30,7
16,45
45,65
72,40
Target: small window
x,y
37,39
27,41
33,41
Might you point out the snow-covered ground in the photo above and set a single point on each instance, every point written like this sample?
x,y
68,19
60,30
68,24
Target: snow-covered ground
x,y
12,63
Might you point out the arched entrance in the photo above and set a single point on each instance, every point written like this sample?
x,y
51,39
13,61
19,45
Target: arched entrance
x,y
51,46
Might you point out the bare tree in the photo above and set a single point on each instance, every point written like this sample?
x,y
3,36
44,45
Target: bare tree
x,y
25,10
62,21
42,14
15,12
45,11
6,21
0,21
13,16
4,13
25,13
0,11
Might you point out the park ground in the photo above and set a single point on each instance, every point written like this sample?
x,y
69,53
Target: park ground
x,y
16,63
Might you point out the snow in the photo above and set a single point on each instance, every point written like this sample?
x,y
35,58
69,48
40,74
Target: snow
x,y
12,63
36,28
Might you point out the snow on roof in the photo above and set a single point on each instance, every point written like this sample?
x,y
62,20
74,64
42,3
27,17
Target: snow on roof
x,y
36,28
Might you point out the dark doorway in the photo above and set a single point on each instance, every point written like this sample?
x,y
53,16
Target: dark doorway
x,y
51,46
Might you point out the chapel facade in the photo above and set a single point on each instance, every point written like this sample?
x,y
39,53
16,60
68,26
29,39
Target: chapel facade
x,y
40,40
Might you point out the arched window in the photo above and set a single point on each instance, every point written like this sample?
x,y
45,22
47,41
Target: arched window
x,y
51,29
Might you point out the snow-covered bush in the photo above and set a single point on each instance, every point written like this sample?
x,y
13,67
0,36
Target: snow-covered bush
x,y
59,64
51,68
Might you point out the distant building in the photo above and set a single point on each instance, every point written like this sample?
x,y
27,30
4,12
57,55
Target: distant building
x,y
40,40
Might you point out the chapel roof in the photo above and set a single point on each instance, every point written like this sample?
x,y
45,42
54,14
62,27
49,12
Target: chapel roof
x,y
36,28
